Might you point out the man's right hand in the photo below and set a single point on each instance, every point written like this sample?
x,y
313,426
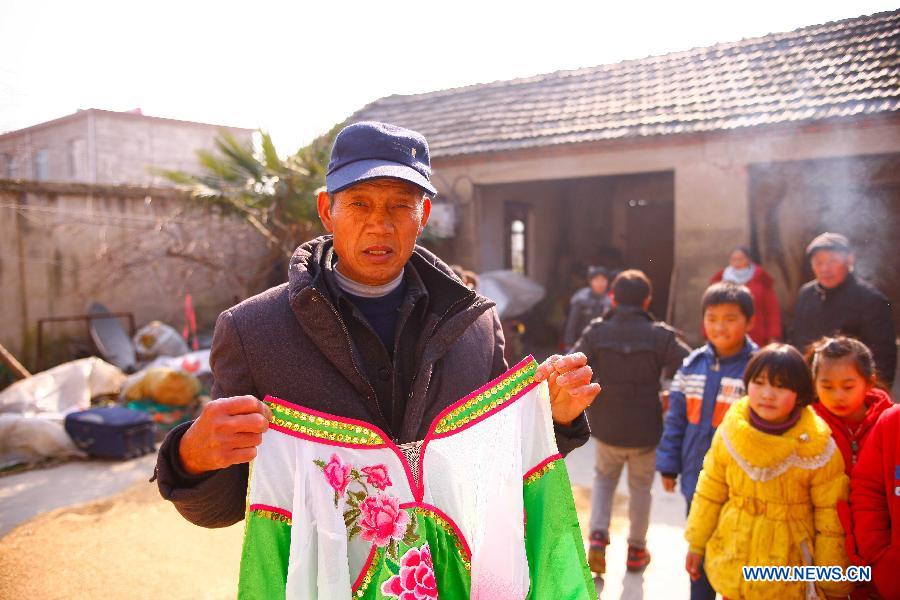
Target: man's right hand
x,y
227,432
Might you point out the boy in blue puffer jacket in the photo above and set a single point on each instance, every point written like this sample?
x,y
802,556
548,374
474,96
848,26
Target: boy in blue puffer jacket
x,y
709,381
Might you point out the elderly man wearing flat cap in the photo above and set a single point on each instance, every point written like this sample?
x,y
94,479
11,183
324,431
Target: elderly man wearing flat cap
x,y
369,326
836,301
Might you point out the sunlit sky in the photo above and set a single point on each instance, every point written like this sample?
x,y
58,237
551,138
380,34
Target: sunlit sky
x,y
296,68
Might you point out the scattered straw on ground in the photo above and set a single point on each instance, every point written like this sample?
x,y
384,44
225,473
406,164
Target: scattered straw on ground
x,y
133,545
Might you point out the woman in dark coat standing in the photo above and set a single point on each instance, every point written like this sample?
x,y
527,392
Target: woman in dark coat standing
x,y
743,271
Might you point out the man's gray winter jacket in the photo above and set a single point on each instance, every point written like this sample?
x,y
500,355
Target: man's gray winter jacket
x,y
304,342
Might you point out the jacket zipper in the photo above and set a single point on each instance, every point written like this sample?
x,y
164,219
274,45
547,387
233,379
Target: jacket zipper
x,y
854,443
431,335
352,360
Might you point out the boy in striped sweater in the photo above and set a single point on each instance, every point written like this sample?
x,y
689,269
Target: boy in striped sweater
x,y
709,381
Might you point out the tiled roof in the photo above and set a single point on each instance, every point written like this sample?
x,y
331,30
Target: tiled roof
x,y
835,70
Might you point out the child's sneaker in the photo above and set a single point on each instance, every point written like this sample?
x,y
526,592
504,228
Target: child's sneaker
x,y
638,559
597,552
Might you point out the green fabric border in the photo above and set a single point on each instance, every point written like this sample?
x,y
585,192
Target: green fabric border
x,y
321,427
556,561
264,558
453,579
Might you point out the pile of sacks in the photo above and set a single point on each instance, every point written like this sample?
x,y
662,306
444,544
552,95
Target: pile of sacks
x,y
169,388
167,394
32,410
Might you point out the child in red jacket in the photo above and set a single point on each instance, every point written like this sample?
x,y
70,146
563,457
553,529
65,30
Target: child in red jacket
x,y
843,370
844,373
875,503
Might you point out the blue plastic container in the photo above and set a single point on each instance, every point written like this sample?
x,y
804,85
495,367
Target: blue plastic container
x,y
111,432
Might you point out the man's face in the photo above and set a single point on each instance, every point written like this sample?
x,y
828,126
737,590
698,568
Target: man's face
x,y
831,267
599,284
375,224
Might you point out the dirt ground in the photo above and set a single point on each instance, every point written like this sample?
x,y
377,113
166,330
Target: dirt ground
x,y
133,545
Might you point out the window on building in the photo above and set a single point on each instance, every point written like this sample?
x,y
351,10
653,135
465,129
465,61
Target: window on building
x,y
516,237
42,164
78,159
6,166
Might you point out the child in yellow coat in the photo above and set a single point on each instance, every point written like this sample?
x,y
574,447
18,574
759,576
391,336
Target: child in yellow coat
x,y
769,486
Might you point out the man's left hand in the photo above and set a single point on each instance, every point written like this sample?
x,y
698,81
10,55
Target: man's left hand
x,y
571,390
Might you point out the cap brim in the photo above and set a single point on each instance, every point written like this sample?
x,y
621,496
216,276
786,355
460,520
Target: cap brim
x,y
363,170
830,248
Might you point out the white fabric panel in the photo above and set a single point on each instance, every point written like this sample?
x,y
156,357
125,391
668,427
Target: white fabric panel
x,y
475,477
272,470
319,536
538,439
467,470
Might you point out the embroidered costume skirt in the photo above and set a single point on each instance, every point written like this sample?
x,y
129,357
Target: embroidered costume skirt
x,y
481,508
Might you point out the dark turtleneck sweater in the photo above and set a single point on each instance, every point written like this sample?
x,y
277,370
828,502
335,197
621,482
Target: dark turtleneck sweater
x,y
775,428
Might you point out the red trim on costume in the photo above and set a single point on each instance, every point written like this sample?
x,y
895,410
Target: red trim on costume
x,y
365,569
274,509
541,465
456,531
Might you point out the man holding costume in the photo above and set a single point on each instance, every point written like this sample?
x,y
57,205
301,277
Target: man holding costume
x,y
369,326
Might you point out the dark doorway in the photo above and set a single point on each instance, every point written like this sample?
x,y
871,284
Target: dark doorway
x,y
619,222
623,222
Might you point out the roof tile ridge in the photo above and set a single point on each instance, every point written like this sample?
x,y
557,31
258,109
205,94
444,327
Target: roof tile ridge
x,y
863,22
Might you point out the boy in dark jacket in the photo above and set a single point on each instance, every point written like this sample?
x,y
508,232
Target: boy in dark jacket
x,y
705,387
628,352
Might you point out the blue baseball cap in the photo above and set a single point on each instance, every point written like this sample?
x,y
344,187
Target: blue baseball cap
x,y
370,150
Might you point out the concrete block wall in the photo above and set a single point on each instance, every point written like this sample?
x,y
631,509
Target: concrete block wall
x,y
111,148
63,246
22,149
128,148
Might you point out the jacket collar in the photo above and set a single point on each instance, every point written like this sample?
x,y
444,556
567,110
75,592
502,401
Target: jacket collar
x,y
624,312
807,440
746,351
313,263
823,293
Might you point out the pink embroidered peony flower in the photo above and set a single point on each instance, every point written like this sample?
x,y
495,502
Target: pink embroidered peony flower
x,y
381,519
416,578
337,474
377,476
